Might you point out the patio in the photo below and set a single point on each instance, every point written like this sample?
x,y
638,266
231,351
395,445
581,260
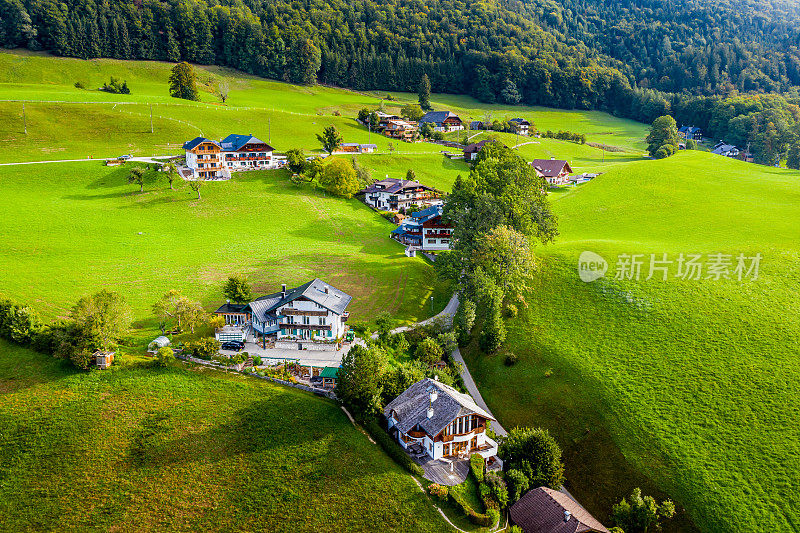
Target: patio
x,y
443,471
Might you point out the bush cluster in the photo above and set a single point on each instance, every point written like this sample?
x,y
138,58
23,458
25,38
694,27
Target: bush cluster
x,y
392,448
204,348
579,138
116,86
440,491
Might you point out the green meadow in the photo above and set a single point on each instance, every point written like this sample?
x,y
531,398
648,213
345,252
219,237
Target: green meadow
x,y
71,229
687,388
185,449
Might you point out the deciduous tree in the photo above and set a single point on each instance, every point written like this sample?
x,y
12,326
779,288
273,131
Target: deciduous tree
x,y
359,382
534,453
639,513
103,317
183,82
664,131
339,178
237,289
136,176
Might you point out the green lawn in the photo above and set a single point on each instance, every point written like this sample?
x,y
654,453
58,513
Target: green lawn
x,y
71,229
183,449
686,388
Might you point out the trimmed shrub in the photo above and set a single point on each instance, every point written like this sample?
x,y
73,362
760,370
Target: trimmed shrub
x,y
238,359
204,348
440,491
494,516
164,356
477,465
256,360
392,448
476,518
499,491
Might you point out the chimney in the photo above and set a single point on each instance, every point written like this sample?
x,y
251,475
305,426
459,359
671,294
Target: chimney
x,y
283,291
433,394
228,301
552,158
326,290
430,411
567,516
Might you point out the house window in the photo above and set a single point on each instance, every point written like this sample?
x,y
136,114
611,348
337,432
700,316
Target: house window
x,y
306,320
431,241
322,321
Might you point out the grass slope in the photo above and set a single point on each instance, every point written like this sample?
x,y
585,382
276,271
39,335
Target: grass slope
x,y
105,125
137,448
692,385
72,228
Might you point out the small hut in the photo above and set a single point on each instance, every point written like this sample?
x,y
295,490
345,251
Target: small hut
x,y
103,359
329,377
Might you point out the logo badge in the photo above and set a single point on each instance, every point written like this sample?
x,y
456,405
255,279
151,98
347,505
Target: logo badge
x,y
591,267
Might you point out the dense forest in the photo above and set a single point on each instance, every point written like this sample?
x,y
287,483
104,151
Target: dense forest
x,y
637,58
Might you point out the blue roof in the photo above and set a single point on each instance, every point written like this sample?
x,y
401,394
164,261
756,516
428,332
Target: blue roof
x,y
432,211
437,117
188,145
235,141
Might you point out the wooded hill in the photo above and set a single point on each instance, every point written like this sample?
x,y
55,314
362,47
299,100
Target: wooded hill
x,y
613,56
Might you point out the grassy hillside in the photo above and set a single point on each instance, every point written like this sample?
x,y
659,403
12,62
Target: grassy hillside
x,y
69,123
690,387
72,228
141,449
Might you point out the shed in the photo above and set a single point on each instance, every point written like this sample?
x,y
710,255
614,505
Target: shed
x,y
158,342
103,359
329,376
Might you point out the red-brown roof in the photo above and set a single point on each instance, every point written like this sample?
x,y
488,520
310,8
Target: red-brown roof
x,y
550,168
542,510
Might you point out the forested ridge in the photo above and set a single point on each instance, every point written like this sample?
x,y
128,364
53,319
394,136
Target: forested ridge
x,y
704,62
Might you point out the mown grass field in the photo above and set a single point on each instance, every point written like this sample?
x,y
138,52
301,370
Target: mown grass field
x,y
69,123
181,449
71,229
686,388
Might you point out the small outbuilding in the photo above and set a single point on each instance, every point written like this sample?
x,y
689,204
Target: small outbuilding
x,y
103,359
158,342
329,375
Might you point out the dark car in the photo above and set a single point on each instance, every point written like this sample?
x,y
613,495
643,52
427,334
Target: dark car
x,y
316,379
236,346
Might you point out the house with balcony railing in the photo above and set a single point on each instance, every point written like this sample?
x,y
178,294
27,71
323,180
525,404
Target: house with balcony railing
x,y
314,311
425,230
210,159
441,421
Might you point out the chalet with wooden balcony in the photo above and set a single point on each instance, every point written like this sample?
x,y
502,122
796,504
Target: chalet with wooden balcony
x,y
402,130
210,159
520,125
555,171
442,121
393,194
313,311
425,230
440,420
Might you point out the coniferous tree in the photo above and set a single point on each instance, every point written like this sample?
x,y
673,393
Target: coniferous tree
x,y
424,92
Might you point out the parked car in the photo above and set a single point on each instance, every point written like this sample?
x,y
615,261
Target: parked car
x,y
236,346
316,379
125,157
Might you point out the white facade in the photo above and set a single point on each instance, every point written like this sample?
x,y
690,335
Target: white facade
x,y
433,239
466,438
324,324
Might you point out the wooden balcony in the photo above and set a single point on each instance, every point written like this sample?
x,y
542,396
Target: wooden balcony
x,y
448,438
298,312
284,325
417,434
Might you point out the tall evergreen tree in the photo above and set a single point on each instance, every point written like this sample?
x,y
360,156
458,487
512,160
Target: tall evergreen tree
x,y
424,92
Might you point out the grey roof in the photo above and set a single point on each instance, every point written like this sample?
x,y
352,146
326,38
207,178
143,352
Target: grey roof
x,y
689,129
520,121
437,117
723,148
411,407
334,300
475,147
394,185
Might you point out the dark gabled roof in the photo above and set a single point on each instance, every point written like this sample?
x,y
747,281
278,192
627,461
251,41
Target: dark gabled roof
x,y
541,510
689,129
231,308
234,142
394,185
475,125
188,145
334,300
475,147
520,121
437,117
550,167
411,407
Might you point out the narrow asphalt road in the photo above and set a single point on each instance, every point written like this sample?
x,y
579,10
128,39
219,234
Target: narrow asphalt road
x,y
469,383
